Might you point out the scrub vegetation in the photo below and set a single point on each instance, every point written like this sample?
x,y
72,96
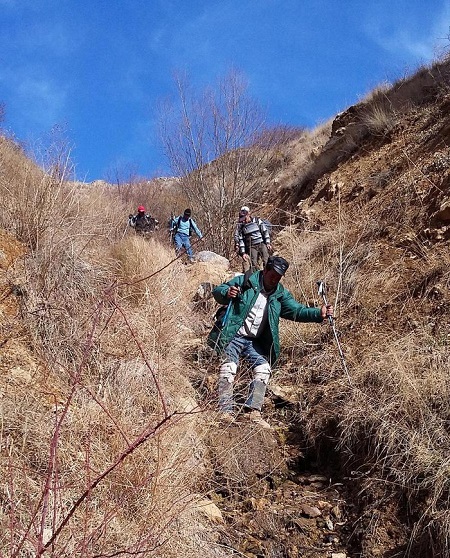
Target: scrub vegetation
x,y
109,444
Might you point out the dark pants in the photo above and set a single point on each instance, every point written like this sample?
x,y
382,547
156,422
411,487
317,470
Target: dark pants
x,y
255,252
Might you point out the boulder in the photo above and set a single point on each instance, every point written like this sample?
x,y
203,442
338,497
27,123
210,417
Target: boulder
x,y
212,257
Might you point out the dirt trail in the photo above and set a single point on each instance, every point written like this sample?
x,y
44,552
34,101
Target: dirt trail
x,y
276,498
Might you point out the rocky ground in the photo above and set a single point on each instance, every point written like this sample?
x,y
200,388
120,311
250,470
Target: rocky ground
x,y
280,495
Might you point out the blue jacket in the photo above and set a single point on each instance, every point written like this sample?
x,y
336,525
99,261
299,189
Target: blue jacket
x,y
183,226
281,304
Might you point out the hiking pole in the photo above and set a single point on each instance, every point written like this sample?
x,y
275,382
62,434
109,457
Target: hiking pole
x,y
171,227
227,313
125,230
322,292
230,304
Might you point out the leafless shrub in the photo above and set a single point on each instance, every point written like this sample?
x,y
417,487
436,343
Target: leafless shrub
x,y
219,146
393,418
402,408
33,200
98,453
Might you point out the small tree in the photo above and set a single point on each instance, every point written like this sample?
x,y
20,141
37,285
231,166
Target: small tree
x,y
217,143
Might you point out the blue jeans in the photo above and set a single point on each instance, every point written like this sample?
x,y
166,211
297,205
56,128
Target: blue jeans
x,y
248,348
252,351
182,240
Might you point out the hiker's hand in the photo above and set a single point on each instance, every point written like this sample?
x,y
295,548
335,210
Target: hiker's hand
x,y
326,311
233,292
269,248
245,257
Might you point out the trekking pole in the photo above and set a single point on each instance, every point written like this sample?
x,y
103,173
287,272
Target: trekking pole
x,y
125,231
322,292
171,227
230,304
227,313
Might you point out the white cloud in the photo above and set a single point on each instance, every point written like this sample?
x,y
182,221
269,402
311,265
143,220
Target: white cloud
x,y
441,29
36,101
416,36
402,41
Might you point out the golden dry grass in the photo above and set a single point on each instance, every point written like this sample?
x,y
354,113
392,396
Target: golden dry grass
x,y
393,417
110,392
102,434
379,119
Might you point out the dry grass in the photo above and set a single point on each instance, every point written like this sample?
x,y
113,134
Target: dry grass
x,y
98,446
301,153
379,119
390,302
102,439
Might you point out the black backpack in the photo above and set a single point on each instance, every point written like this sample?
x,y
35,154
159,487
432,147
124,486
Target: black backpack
x,y
177,226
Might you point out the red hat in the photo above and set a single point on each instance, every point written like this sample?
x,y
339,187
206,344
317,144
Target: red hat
x,y
141,208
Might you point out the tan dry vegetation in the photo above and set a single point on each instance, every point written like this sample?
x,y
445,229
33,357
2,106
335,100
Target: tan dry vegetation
x,y
105,394
99,336
160,196
299,154
379,119
375,228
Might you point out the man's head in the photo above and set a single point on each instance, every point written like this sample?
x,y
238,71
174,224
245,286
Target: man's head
x,y
273,271
141,209
244,214
187,213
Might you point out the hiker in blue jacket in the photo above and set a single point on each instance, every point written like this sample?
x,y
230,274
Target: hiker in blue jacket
x,y
182,227
256,302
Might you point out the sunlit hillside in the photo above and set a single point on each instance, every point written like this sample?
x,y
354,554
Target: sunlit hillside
x,y
109,442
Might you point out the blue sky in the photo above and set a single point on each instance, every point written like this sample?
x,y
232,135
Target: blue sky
x,y
99,68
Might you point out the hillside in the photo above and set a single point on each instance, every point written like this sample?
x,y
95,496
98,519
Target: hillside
x,y
109,441
377,197
368,211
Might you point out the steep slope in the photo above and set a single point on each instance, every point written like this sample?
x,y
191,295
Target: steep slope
x,y
374,208
354,466
369,212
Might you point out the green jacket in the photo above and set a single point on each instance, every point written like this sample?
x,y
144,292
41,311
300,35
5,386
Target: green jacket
x,y
280,303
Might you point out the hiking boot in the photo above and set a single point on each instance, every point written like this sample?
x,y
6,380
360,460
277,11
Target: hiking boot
x,y
256,417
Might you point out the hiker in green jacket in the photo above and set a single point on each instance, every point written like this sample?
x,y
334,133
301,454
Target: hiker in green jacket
x,y
256,304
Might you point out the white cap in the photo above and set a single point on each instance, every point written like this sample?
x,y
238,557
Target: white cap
x,y
245,208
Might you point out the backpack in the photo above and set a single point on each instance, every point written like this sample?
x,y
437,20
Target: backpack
x,y
268,226
260,221
177,225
